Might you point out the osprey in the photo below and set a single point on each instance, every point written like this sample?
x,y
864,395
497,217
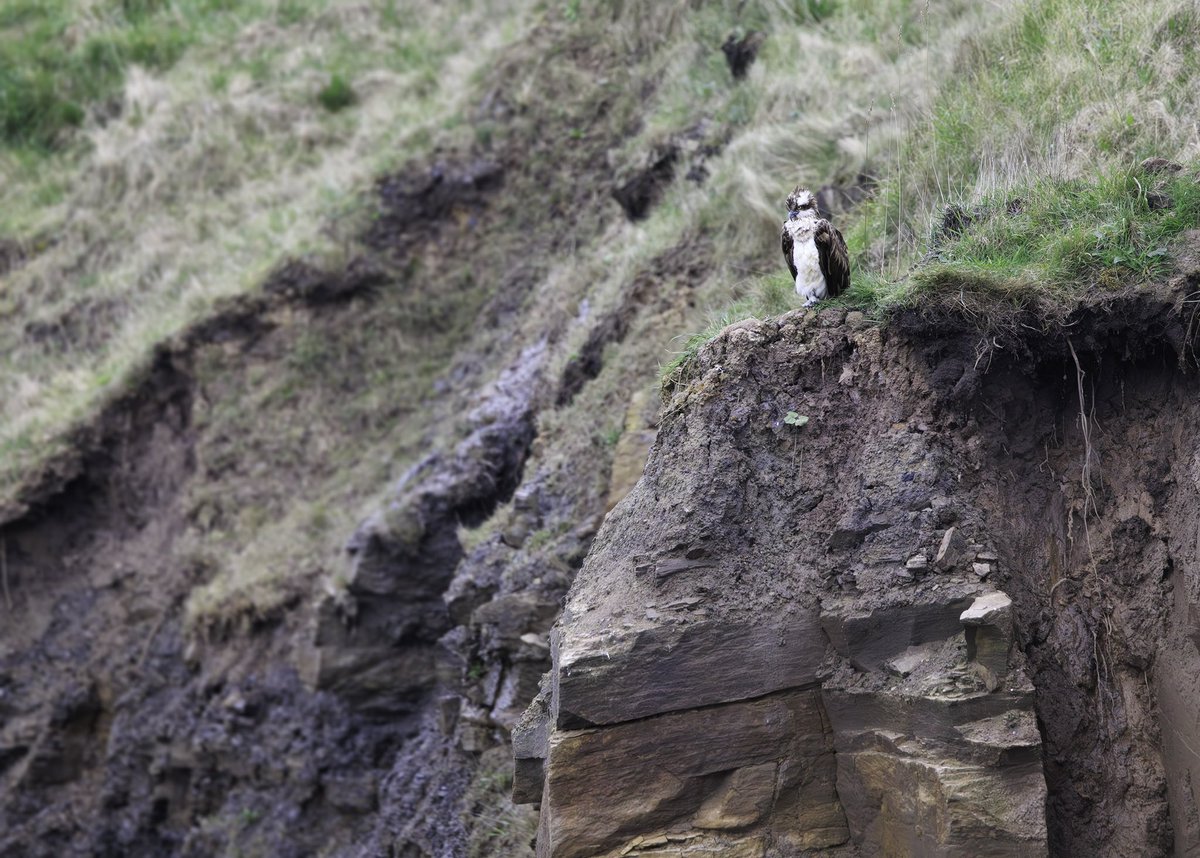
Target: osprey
x,y
814,249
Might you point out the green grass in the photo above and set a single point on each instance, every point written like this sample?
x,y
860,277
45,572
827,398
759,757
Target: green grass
x,y
1071,235
59,60
1067,90
337,94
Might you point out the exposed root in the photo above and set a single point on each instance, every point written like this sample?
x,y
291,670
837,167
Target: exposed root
x,y
1089,454
1192,300
1099,655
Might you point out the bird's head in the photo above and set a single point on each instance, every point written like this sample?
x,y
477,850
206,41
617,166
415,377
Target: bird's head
x,y
801,203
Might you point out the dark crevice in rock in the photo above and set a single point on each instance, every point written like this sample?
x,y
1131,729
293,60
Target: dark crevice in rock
x,y
1093,572
683,264
12,255
299,281
587,363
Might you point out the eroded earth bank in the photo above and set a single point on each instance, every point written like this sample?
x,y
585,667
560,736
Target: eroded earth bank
x,y
952,612
898,588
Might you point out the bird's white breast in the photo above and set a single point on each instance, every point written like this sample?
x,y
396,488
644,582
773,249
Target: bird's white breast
x,y
810,282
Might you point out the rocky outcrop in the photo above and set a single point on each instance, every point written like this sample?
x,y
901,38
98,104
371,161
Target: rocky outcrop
x,y
902,627
777,644
376,643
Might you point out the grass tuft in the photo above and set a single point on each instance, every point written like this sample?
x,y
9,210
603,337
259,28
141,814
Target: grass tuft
x,y
337,94
58,62
1067,236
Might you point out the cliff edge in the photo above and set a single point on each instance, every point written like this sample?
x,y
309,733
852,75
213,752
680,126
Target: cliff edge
x,y
904,590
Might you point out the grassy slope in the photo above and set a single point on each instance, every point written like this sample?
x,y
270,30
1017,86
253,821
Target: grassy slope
x,y
1053,104
1068,90
184,183
1054,110
188,180
173,151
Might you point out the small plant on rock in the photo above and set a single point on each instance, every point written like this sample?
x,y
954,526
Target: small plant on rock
x,y
796,420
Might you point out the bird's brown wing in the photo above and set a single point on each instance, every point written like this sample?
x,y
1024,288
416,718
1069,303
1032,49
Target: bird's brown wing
x,y
832,257
788,247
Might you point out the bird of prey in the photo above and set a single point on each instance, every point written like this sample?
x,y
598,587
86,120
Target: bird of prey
x,y
814,249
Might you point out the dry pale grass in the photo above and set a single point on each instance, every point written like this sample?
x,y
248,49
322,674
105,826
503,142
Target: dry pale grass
x,y
199,186
826,102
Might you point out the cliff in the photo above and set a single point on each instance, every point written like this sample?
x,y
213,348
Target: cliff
x,y
950,613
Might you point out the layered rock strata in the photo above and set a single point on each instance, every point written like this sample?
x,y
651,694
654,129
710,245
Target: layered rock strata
x,y
784,639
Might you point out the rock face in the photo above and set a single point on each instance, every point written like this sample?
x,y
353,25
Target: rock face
x,y
747,663
905,628
376,645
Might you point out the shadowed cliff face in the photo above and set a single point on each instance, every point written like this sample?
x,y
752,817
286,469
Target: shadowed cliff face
x,y
943,616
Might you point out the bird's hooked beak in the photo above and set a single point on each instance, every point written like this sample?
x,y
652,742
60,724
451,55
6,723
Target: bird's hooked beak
x,y
793,214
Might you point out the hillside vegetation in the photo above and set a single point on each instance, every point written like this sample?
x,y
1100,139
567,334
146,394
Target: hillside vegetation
x,y
161,157
1046,117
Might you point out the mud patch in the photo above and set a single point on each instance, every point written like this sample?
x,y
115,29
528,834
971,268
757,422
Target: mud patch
x,y
641,191
740,53
1087,504
414,201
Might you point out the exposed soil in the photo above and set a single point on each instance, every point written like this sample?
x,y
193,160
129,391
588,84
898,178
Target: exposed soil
x,y
641,191
740,53
120,734
125,732
115,739
1094,510
1080,455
